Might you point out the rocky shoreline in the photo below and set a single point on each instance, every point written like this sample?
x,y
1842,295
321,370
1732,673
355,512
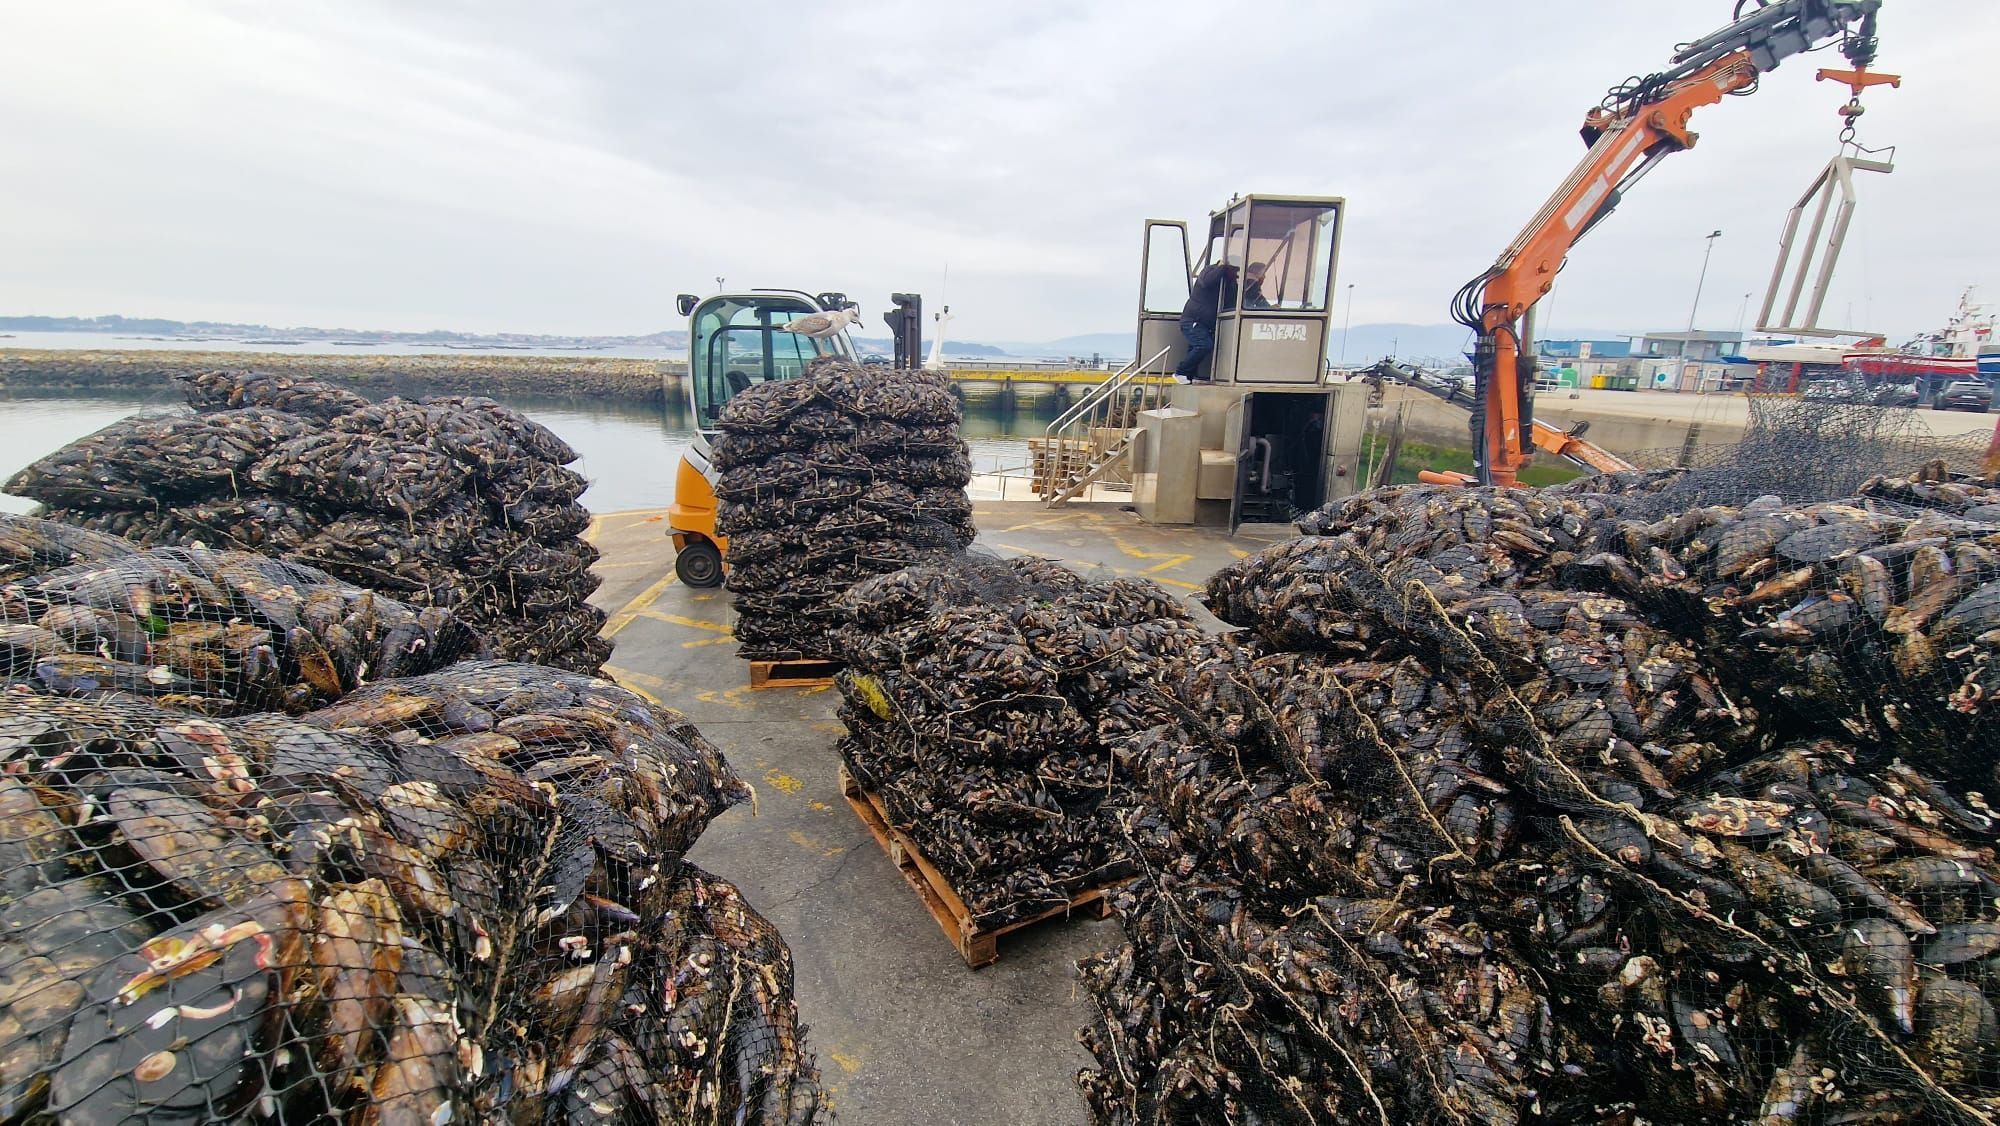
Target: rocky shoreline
x,y
619,378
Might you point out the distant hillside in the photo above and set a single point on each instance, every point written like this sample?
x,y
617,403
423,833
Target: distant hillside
x,y
1439,343
115,324
884,345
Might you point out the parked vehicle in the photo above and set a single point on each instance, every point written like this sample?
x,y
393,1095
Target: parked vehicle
x,y
1895,395
1965,395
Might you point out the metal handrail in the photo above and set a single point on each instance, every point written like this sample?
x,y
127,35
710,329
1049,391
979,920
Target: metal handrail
x,y
1092,408
1117,380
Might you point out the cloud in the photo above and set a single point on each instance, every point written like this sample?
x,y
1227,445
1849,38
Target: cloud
x,y
527,167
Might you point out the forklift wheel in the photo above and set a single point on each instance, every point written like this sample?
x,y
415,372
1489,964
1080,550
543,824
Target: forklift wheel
x,y
699,564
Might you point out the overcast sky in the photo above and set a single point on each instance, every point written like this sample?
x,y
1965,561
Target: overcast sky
x,y
518,165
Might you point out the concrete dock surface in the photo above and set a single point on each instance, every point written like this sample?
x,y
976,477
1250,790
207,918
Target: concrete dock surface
x,y
903,1031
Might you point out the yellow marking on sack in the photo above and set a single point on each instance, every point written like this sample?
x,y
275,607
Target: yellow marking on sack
x,y
631,610
783,781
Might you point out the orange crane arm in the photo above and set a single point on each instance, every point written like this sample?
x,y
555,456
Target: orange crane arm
x,y
1569,445
1627,137
1625,149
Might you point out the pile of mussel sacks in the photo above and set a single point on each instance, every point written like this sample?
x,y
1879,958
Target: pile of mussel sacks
x,y
214,632
452,502
822,481
1508,805
448,898
982,701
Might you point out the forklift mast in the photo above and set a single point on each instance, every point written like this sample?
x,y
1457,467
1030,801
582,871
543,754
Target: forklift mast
x,y
906,328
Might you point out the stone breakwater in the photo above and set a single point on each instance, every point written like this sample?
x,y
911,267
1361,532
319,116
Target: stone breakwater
x,y
624,379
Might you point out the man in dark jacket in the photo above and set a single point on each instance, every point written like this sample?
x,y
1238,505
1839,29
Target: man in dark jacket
x,y
1213,291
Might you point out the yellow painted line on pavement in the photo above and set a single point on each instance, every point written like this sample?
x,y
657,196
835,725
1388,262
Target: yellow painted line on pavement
x,y
631,610
626,679
681,620
727,697
1178,583
814,844
723,640
1167,566
1067,518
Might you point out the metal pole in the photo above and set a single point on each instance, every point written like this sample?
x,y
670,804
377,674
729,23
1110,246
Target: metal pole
x,y
1699,283
1347,324
1743,312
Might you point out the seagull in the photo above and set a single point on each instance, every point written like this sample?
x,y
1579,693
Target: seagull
x,y
822,325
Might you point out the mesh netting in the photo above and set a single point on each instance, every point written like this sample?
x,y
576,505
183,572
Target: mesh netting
x,y
1809,449
1542,805
454,502
983,699
829,479
220,632
448,898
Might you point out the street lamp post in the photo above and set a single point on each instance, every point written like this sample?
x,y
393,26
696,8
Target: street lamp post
x,y
1701,281
1743,313
1347,324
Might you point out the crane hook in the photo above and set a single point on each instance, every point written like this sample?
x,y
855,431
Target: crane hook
x,y
1856,80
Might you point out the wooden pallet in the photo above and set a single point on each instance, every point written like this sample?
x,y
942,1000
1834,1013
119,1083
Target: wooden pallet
x,y
978,947
792,674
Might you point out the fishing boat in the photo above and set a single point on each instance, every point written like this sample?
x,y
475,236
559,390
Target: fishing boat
x,y
1963,349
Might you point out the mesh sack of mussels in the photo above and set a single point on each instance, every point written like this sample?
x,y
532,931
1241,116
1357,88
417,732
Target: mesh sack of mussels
x,y
823,481
217,632
452,898
983,701
455,502
1511,805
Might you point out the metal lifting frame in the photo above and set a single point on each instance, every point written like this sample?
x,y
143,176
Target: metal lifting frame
x,y
1836,178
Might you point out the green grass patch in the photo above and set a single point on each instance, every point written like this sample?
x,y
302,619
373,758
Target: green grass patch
x,y
1415,457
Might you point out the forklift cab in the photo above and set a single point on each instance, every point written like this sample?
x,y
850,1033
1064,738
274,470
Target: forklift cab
x,y
735,341
1271,438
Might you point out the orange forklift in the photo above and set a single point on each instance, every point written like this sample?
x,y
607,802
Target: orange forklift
x,y
736,341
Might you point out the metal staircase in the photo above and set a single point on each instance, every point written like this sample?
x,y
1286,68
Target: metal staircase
x,y
1094,436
